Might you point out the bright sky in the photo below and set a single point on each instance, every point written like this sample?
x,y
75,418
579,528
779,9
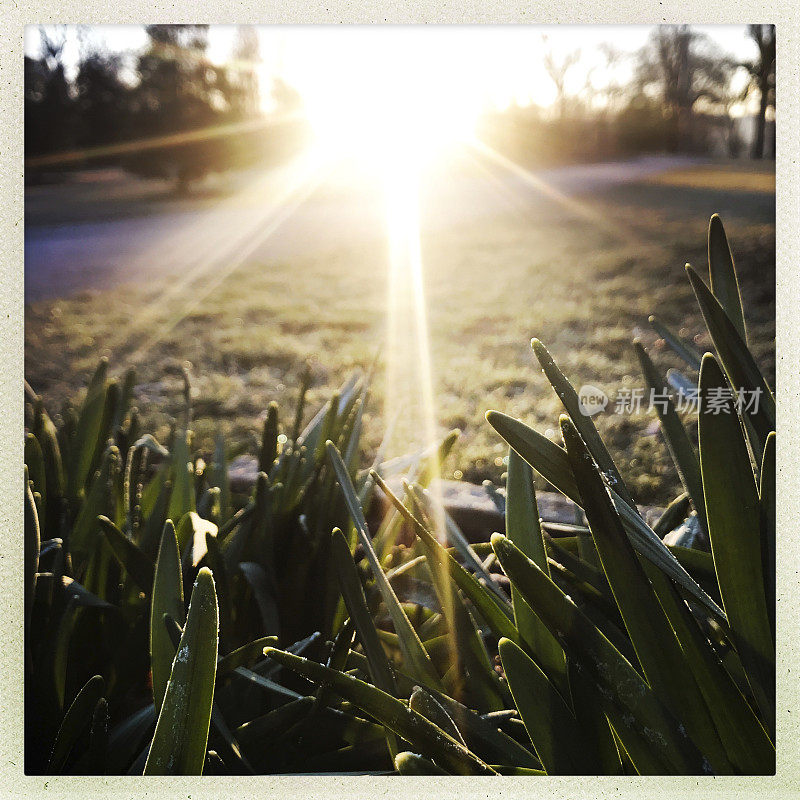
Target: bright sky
x,y
463,67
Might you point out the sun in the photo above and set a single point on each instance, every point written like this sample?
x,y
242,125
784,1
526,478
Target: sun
x,y
391,112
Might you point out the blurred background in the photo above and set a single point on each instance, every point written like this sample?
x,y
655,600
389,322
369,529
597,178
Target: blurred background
x,y
245,202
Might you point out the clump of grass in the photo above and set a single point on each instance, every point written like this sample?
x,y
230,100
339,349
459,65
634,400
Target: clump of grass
x,y
607,647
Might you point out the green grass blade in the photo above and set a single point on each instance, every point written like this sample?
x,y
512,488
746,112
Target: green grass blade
x,y
269,440
732,505
653,639
522,528
420,732
619,685
551,725
746,743
766,499
569,399
426,704
496,615
686,350
167,598
356,603
182,500
77,719
137,563
32,549
100,499
88,430
417,660
552,463
675,435
722,275
738,362
414,764
181,735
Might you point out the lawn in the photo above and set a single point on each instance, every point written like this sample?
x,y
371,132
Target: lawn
x,y
582,274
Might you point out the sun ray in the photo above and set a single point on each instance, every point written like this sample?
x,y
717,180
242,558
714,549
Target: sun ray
x,y
577,208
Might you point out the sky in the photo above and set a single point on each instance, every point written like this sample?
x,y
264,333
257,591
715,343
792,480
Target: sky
x,y
466,67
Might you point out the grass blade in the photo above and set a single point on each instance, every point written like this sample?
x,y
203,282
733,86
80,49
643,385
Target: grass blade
x,y
356,603
551,725
181,735
619,685
552,463
417,660
686,350
722,275
732,505
136,562
766,495
569,399
522,528
496,615
77,719
167,598
653,639
678,443
738,362
408,724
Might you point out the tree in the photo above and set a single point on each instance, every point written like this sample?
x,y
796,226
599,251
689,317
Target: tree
x,y
179,92
762,78
102,99
48,102
557,69
684,68
245,94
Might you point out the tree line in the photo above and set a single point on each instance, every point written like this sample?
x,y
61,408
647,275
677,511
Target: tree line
x,y
172,113
169,112
678,99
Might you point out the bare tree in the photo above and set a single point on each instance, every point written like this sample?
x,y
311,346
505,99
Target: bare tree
x,y
557,68
762,78
685,68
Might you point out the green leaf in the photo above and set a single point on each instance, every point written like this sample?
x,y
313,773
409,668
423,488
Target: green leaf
x,y
99,501
680,447
413,727
414,764
656,743
767,500
426,704
32,549
182,499
653,639
522,528
88,430
583,422
240,656
551,725
686,350
167,598
739,364
136,563
417,660
496,615
356,603
732,505
269,440
181,735
45,432
552,463
77,719
722,275
466,652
